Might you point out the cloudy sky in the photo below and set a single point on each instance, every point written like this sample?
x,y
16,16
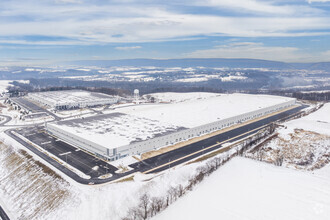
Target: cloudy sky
x,y
47,31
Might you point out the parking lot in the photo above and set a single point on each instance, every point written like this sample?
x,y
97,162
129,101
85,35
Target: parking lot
x,y
77,158
24,103
30,106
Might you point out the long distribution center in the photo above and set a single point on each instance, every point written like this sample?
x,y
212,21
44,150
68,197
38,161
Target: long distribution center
x,y
71,99
141,128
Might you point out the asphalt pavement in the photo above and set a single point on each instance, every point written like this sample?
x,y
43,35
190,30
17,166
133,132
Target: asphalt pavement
x,y
3,215
77,158
30,106
7,119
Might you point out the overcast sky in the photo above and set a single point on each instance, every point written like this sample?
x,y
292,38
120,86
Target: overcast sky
x,y
46,31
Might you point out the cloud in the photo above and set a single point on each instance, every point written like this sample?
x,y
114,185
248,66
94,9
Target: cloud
x,y
269,8
163,27
128,48
311,1
117,22
249,5
68,1
326,54
253,50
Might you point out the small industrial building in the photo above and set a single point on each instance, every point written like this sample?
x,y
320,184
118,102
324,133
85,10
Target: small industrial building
x,y
141,128
72,99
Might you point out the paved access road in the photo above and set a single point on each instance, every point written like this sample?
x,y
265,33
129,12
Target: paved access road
x,y
7,119
151,165
3,215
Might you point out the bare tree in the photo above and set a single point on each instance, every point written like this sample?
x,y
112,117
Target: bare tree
x,y
217,161
180,190
210,167
144,204
279,159
133,214
260,154
159,204
172,193
153,206
167,199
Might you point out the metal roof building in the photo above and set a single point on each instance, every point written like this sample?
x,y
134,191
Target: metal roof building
x,y
71,99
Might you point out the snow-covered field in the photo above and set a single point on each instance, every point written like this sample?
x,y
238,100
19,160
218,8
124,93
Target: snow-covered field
x,y
318,122
5,83
247,189
302,144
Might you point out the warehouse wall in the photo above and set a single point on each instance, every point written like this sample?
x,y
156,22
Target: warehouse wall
x,y
166,140
78,141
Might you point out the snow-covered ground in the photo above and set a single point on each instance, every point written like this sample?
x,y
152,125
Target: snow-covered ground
x,y
318,121
15,116
5,83
303,143
316,91
247,189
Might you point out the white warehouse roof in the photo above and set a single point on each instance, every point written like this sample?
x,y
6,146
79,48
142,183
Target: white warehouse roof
x,y
66,97
195,109
141,122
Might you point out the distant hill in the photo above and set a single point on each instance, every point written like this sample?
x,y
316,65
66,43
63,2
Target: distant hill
x,y
206,62
320,66
194,62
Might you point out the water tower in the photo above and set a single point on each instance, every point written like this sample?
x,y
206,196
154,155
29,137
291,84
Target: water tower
x,y
136,94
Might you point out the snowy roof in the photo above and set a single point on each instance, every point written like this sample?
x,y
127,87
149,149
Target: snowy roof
x,y
70,96
195,109
116,129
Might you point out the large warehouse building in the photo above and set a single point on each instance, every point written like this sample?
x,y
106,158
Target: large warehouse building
x,y
71,99
141,128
